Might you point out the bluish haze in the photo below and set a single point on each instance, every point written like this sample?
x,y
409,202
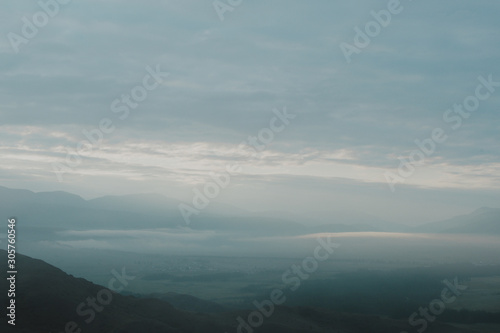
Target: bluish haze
x,y
352,119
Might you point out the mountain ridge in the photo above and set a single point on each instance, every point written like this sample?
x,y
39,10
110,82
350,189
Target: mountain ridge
x,y
61,210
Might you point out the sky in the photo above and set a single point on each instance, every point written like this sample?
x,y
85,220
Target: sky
x,y
171,91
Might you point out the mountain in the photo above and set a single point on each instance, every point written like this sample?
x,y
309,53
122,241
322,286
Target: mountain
x,y
47,300
16,196
484,220
342,220
62,210
147,203
45,213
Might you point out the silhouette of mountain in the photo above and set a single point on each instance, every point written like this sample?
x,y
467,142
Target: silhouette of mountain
x,y
47,212
484,220
44,213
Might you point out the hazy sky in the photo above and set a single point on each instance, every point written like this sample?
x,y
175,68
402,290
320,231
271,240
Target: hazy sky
x,y
352,119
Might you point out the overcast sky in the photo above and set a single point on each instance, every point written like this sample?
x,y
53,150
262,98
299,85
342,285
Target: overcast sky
x,y
353,119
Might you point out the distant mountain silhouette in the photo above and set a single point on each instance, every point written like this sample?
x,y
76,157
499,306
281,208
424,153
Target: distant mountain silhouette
x,y
44,213
62,210
343,219
47,212
484,220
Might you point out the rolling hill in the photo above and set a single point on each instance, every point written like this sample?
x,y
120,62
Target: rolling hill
x,y
47,300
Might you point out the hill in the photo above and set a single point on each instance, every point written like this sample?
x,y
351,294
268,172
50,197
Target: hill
x,y
484,220
47,300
